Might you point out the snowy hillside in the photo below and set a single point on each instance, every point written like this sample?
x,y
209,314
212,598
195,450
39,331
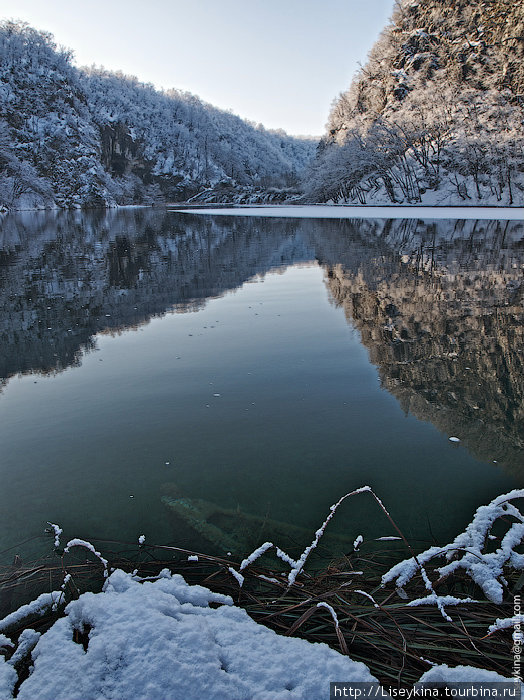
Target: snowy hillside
x,y
72,137
436,115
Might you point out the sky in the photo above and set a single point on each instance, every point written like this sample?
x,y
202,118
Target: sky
x,y
277,62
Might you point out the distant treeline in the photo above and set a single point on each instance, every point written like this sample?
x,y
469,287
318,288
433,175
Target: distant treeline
x,y
89,137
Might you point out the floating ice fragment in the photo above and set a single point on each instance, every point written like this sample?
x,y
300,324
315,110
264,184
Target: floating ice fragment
x,y
192,557
402,593
216,394
358,542
454,439
141,539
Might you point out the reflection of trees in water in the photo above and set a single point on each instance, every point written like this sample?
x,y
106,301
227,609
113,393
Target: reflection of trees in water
x,y
439,305
443,320
64,277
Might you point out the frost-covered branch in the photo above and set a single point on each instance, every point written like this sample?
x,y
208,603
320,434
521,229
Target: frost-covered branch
x,y
57,532
298,564
87,545
36,607
468,550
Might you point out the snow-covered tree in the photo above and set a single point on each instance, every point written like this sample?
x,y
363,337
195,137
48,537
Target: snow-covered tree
x,y
436,114
90,137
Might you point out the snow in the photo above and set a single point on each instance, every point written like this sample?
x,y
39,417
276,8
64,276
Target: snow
x,y
367,595
236,575
331,612
298,564
340,211
467,550
460,674
358,542
286,558
270,579
35,607
443,599
87,545
26,642
7,679
141,539
501,624
57,532
256,554
5,641
454,439
160,639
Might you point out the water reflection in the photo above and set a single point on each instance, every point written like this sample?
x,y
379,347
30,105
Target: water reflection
x,y
64,277
438,306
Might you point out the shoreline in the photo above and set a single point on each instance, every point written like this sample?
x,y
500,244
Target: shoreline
x,y
316,210
343,211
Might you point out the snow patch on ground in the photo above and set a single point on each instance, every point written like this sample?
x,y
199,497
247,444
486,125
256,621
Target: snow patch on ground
x,y
460,674
160,639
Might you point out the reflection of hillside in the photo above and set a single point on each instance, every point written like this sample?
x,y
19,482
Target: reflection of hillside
x,y
443,319
438,305
68,276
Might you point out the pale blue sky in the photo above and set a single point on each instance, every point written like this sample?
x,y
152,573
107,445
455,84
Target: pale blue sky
x,y
279,62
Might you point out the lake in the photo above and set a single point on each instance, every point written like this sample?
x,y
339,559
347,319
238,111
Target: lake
x,y
215,381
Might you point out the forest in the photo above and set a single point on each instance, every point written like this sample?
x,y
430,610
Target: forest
x,y
436,114
74,137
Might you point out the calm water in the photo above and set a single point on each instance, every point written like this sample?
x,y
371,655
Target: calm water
x,y
264,367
